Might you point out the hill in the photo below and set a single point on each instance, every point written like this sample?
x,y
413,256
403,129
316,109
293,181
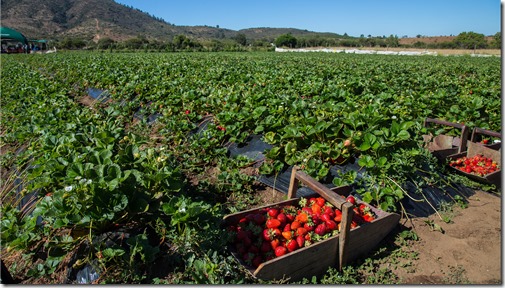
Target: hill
x,y
95,19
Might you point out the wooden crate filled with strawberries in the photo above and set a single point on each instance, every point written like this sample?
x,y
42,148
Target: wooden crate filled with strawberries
x,y
300,237
482,160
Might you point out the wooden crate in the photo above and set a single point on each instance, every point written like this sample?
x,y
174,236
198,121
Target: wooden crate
x,y
336,251
492,151
441,146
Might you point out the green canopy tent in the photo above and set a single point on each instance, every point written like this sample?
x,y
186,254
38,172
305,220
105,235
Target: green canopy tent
x,y
12,35
37,44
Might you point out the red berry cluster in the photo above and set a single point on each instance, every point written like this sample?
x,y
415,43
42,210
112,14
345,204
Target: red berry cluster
x,y
477,165
275,231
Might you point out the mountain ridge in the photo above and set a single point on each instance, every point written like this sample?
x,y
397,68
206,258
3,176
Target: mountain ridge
x,y
109,19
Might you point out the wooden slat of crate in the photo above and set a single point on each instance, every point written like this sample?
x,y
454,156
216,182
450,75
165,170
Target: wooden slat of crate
x,y
313,260
366,237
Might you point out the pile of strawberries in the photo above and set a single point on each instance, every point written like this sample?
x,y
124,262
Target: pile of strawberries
x,y
477,165
275,231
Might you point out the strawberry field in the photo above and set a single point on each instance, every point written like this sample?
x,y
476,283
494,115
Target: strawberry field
x,y
132,187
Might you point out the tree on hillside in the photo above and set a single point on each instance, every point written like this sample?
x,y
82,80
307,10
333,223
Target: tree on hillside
x,y
241,39
496,43
181,41
71,43
470,40
105,43
392,41
286,40
136,43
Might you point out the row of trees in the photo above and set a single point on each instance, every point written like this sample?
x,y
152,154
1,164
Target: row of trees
x,y
177,43
465,40
288,40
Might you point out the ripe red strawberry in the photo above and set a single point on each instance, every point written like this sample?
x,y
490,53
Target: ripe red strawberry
x,y
291,245
282,218
331,225
320,201
272,212
309,226
301,231
275,243
267,235
307,210
338,216
351,199
290,212
290,217
300,240
295,225
368,218
280,250
273,223
325,217
270,233
328,210
287,227
320,229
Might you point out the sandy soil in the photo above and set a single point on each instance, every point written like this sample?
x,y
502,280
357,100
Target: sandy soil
x,y
468,252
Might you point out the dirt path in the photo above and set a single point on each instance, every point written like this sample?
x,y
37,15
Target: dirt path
x,y
469,252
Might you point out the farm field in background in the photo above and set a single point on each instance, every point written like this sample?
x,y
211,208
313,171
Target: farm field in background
x,y
136,185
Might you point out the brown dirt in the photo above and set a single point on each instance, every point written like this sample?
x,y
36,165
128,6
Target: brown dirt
x,y
468,252
87,100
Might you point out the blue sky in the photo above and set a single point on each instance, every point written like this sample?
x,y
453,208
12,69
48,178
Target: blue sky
x,y
354,17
